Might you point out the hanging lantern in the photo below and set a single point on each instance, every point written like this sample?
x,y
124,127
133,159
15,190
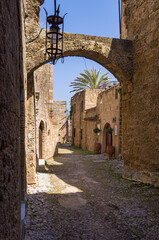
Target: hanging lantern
x,y
54,37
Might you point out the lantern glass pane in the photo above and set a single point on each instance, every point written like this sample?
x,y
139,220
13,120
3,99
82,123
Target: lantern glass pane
x,y
53,38
54,35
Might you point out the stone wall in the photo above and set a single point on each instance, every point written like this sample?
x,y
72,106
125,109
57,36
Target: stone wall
x,y
31,133
68,130
12,147
77,116
141,99
94,108
44,110
90,122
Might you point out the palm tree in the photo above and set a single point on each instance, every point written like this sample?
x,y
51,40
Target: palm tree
x,y
90,79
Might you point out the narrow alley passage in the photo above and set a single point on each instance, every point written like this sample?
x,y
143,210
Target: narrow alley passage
x,y
82,196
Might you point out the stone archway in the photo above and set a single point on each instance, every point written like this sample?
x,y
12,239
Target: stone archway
x,y
116,55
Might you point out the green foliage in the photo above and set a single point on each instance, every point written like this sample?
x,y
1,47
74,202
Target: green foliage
x,y
90,79
71,111
96,130
80,150
119,90
26,204
109,130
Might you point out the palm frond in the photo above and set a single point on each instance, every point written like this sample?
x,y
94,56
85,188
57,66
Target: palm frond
x,y
89,79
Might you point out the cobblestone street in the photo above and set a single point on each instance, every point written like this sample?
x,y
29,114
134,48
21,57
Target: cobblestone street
x,y
82,196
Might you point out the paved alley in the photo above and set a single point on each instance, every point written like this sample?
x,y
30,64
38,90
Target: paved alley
x,y
81,196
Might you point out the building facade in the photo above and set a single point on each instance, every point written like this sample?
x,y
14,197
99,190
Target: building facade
x,y
96,108
48,127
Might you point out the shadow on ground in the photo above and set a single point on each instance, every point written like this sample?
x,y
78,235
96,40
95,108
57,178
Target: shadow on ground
x,y
82,196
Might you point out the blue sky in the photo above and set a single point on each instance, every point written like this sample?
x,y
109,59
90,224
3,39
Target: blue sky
x,y
90,17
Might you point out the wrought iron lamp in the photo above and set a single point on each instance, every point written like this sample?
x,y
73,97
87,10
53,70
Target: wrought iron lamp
x,y
54,37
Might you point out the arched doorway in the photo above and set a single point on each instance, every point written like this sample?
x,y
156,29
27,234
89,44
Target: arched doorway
x,y
107,136
41,133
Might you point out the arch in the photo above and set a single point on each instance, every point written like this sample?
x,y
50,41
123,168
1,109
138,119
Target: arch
x,y
41,140
107,137
116,55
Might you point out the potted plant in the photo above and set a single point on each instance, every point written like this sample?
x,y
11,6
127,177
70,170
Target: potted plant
x,y
110,151
109,130
96,130
97,145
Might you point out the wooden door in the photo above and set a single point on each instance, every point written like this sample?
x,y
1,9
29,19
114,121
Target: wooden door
x,y
108,137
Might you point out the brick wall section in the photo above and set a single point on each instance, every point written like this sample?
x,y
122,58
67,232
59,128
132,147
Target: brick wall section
x,y
11,77
141,100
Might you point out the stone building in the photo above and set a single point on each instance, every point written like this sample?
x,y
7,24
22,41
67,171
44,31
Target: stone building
x,y
140,98
133,60
96,108
49,126
81,103
46,132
